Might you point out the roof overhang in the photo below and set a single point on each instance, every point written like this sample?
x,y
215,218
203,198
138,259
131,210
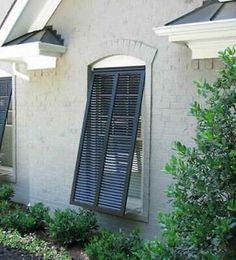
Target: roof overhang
x,y
26,16
36,55
205,39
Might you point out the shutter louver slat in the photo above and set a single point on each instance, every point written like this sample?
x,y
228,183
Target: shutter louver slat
x,y
92,144
106,151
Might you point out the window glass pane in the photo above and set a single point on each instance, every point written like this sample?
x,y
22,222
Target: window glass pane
x,y
6,150
135,188
137,167
6,121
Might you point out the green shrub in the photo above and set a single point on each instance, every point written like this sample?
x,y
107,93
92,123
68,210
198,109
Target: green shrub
x,y
114,246
40,214
6,192
153,250
32,245
4,207
19,220
69,226
36,218
202,224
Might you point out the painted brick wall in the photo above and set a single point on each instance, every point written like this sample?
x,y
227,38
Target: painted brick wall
x,y
50,107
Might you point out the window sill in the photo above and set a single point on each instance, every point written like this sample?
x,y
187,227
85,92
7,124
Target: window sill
x,y
134,210
140,217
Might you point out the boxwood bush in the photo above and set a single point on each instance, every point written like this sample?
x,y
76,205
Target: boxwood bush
x,y
69,226
19,220
25,221
40,214
114,246
6,192
5,207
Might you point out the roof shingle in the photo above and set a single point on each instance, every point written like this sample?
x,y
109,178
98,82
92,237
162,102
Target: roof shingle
x,y
46,35
211,10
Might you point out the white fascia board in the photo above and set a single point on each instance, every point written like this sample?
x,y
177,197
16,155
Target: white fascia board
x,y
205,39
44,55
51,49
12,19
44,15
209,48
18,51
196,31
30,49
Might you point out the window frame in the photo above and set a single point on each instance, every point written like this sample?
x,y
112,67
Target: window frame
x,y
130,210
9,173
90,74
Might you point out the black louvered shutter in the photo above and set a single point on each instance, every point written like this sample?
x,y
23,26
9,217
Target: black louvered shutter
x,y
5,98
104,162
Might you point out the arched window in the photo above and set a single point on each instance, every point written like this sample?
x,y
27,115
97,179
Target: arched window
x,y
109,170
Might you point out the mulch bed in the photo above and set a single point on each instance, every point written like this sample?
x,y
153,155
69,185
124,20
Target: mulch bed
x,y
14,254
77,253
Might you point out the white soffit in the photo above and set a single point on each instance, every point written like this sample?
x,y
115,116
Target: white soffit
x,y
205,39
4,74
27,16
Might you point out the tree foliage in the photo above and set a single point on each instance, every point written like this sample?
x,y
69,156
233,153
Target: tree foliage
x,y
202,224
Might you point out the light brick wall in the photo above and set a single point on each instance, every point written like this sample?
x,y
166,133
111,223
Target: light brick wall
x,y
50,107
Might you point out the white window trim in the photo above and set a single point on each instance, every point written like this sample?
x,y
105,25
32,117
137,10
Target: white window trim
x,y
205,39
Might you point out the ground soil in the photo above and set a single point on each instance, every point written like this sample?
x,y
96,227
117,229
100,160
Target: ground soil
x,y
77,254
13,254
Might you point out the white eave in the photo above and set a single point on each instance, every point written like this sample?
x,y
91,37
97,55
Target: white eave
x,y
205,39
36,55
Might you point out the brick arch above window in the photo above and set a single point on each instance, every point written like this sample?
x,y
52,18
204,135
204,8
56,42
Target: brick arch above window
x,y
133,48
